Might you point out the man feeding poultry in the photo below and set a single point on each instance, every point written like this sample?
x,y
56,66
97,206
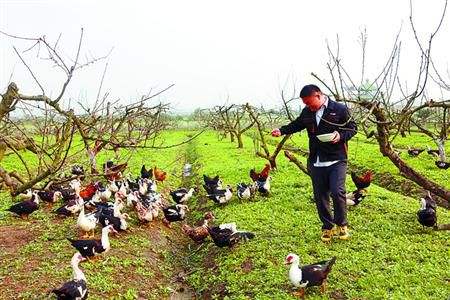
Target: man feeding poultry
x,y
329,127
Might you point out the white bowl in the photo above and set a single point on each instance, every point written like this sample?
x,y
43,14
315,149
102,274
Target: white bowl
x,y
327,137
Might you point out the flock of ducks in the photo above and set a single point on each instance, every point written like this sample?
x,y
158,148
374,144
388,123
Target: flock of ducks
x,y
439,163
96,203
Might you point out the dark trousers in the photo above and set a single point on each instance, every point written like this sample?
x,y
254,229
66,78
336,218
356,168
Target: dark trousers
x,y
330,181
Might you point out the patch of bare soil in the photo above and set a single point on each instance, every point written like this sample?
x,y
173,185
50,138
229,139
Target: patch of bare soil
x,y
14,237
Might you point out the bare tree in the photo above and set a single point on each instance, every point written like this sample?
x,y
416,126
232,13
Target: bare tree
x,y
392,108
231,120
47,128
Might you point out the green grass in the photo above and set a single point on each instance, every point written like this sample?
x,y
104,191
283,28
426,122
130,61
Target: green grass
x,y
388,257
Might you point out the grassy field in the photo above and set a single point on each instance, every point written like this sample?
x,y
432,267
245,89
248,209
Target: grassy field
x,y
388,257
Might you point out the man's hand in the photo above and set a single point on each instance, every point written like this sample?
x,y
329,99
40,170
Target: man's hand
x,y
337,138
276,132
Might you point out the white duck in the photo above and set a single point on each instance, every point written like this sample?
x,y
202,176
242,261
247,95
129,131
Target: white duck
x,y
86,223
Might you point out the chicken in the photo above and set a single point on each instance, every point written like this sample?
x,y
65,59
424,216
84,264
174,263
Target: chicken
x,y
159,174
198,234
87,192
362,182
262,176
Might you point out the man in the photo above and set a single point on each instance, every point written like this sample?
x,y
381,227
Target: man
x,y
327,161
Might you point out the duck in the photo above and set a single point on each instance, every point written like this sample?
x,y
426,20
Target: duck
x,y
119,223
77,287
70,208
26,207
200,233
146,173
26,195
182,195
90,248
174,213
432,151
112,171
87,223
227,235
442,164
426,215
309,275
355,197
104,193
212,183
221,196
77,170
49,196
263,186
145,214
245,191
132,198
414,152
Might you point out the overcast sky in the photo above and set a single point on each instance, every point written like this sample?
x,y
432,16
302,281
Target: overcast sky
x,y
210,50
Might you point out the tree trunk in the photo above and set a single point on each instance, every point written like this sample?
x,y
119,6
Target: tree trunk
x,y
240,143
405,169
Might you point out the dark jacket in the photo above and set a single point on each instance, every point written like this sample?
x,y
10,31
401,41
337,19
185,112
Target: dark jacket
x,y
335,113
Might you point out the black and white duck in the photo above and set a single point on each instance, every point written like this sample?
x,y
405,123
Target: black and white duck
x,y
355,197
71,207
442,164
212,183
263,186
427,212
49,196
245,191
174,213
77,287
146,173
77,170
309,275
221,196
25,208
182,195
227,235
90,248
